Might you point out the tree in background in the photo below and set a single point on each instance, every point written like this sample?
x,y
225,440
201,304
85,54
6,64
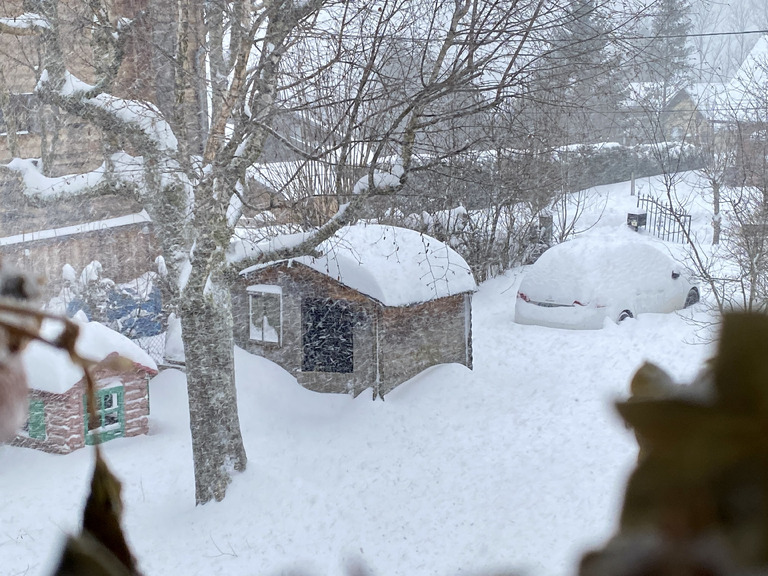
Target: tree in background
x,y
667,54
575,83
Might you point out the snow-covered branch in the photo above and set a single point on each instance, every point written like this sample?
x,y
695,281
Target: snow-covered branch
x,y
140,122
243,254
376,183
127,170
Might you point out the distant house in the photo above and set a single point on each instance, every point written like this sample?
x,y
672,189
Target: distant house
x,y
124,245
376,307
688,115
58,413
710,109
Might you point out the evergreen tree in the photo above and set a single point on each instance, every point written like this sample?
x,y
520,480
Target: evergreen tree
x,y
576,81
668,55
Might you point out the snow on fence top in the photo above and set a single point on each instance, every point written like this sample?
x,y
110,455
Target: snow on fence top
x,y
51,370
395,266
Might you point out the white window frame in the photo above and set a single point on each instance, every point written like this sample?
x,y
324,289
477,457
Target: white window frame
x,y
262,290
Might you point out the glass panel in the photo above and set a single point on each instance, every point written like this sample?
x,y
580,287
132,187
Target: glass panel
x,y
111,417
265,317
36,423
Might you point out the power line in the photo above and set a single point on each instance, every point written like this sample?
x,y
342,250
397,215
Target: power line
x,y
696,35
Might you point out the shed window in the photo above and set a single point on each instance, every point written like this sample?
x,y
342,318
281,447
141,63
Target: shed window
x,y
265,313
35,425
111,416
327,336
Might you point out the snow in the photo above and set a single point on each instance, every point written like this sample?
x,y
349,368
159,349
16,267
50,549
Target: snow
x,y
39,186
174,346
26,21
77,229
128,169
91,273
631,272
742,98
51,370
242,249
68,274
143,115
396,266
381,180
517,466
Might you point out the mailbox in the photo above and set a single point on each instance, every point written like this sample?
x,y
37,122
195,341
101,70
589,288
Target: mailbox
x,y
637,220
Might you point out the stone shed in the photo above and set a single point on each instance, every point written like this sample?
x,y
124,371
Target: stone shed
x,y
376,306
58,416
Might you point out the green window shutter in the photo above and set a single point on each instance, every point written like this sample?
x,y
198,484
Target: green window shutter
x,y
111,415
36,425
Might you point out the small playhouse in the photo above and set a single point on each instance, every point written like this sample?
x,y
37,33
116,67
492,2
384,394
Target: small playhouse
x,y
372,308
58,412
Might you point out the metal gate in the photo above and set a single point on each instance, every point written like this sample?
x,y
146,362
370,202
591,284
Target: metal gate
x,y
663,221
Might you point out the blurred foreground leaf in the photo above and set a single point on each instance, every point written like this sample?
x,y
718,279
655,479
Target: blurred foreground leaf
x,y
697,501
101,548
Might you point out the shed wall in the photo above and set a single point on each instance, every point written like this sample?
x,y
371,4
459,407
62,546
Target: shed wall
x,y
391,344
63,422
125,252
299,282
413,338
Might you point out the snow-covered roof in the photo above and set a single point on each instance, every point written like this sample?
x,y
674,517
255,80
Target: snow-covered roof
x,y
77,229
745,96
51,370
707,97
395,266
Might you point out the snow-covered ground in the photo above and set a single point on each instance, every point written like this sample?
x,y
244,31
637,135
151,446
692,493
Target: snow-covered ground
x,y
518,464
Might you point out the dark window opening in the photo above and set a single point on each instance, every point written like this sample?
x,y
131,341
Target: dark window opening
x,y
327,336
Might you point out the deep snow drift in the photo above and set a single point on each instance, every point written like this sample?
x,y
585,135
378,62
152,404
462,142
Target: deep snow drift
x,y
517,464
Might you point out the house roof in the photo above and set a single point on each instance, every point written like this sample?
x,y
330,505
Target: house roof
x,y
393,265
139,218
51,370
747,91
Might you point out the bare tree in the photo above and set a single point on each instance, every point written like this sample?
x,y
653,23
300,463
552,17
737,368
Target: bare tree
x,y
232,68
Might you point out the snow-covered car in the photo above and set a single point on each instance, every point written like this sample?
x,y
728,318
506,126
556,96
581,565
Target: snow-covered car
x,y
579,283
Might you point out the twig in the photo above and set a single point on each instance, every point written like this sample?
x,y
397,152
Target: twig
x,y
66,340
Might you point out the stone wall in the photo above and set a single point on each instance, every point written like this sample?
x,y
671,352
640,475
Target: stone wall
x,y
299,282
